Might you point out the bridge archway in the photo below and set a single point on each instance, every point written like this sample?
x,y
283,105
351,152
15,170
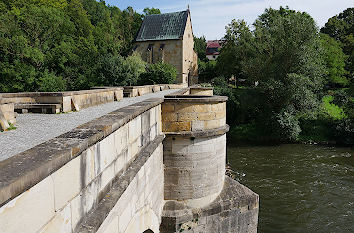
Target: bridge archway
x,y
148,231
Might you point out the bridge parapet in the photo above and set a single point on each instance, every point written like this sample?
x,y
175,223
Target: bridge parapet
x,y
86,179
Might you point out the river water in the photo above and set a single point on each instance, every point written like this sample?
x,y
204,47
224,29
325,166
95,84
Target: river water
x,y
302,188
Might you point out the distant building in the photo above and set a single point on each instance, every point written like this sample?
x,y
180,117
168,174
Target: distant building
x,y
213,49
169,38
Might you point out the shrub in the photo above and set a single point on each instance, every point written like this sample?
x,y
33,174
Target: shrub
x,y
330,110
50,82
158,73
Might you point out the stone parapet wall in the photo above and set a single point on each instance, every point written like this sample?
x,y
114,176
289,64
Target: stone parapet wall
x,y
7,116
133,91
55,185
193,113
207,91
69,101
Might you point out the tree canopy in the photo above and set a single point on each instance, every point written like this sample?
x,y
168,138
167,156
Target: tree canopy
x,y
63,45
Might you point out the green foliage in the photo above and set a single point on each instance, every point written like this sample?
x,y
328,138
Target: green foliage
x,y
207,70
330,110
335,61
283,55
200,48
158,73
50,82
48,45
151,11
341,28
118,71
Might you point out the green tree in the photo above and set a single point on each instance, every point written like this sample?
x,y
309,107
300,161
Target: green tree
x,y
341,27
335,61
200,47
158,73
151,11
283,55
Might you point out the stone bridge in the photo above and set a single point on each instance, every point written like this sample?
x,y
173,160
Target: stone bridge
x,y
150,165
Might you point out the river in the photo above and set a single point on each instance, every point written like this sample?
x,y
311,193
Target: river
x,y
302,188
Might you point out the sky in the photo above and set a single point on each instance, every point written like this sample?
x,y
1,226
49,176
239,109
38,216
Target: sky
x,y
209,17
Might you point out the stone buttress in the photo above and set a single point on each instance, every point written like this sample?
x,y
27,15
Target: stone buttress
x,y
198,196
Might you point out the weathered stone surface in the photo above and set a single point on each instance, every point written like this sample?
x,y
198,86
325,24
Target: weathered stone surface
x,y
78,99
34,208
124,187
235,210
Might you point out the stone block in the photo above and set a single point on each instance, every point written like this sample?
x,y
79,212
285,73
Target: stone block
x,y
202,108
197,125
105,153
125,217
121,161
220,114
184,107
152,116
212,124
106,176
218,107
169,117
176,126
30,211
134,129
111,228
206,116
186,116
68,182
84,202
60,223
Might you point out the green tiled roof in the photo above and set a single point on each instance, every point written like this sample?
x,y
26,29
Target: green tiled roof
x,y
168,26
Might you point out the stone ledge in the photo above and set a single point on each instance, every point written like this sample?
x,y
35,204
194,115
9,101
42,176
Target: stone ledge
x,y
234,196
195,99
96,217
26,169
57,94
200,134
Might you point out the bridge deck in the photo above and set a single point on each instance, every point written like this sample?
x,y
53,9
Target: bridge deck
x,y
34,129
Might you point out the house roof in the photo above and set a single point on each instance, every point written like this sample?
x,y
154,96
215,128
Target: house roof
x,y
168,26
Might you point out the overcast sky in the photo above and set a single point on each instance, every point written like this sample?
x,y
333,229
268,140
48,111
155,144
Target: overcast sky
x,y
209,17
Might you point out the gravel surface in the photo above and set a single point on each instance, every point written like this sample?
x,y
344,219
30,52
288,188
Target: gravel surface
x,y
34,129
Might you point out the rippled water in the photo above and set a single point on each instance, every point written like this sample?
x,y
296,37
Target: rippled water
x,y
302,188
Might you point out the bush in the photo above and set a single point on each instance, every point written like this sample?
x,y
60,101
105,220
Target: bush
x,y
330,110
158,73
117,71
50,82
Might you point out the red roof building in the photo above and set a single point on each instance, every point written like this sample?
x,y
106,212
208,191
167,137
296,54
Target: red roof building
x,y
213,49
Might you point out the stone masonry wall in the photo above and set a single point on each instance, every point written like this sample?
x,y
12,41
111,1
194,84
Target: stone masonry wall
x,y
190,60
60,200
172,53
7,115
194,169
192,116
140,206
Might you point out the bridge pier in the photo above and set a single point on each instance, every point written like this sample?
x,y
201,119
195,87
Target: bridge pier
x,y
199,197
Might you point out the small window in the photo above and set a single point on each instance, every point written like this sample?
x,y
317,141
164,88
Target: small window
x,y
162,46
135,47
150,47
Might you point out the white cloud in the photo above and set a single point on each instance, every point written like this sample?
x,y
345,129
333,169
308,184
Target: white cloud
x,y
209,17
